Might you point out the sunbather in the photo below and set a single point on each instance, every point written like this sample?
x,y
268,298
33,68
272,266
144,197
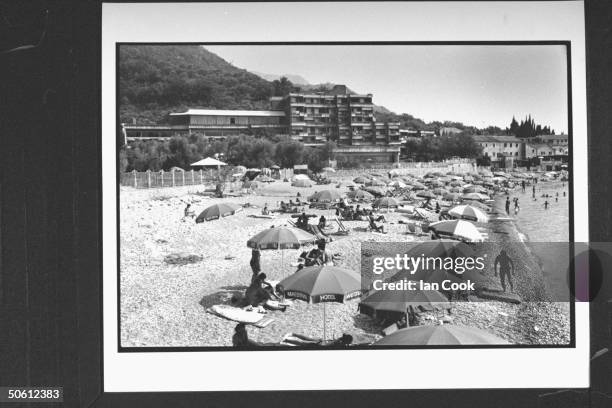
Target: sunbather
x,y
306,341
240,339
189,213
374,227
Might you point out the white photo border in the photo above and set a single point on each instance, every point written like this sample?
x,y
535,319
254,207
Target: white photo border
x,y
340,22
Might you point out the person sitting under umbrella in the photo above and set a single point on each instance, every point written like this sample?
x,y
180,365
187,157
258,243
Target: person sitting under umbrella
x,y
322,222
319,255
265,210
302,221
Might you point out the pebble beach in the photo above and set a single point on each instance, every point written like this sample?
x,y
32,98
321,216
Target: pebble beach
x,y
164,305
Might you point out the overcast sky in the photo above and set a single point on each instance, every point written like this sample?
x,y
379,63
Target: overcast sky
x,y
476,85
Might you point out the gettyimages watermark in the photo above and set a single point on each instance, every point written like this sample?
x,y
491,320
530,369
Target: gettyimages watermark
x,y
513,272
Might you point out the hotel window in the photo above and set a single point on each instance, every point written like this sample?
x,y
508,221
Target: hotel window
x,y
232,121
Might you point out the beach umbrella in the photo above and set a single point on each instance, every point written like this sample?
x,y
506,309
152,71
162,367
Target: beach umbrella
x,y
208,162
426,194
376,183
468,212
433,335
418,186
439,191
437,183
476,197
375,191
326,196
458,229
403,301
455,183
360,195
386,202
328,170
377,174
323,284
477,204
450,196
398,184
281,238
217,211
302,183
468,178
361,180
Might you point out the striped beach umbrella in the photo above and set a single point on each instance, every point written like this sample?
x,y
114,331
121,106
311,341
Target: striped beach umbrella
x,y
458,229
431,335
468,212
217,211
281,238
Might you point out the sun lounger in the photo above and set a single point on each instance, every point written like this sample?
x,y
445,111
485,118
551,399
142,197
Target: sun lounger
x,y
390,329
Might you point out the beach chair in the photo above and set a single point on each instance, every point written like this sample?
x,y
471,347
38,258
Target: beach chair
x,y
390,329
342,230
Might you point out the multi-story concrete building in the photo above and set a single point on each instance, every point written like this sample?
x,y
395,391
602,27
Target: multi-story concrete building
x,y
344,118
311,118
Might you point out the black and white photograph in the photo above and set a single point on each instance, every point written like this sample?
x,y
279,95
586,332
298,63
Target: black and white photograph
x,y
252,176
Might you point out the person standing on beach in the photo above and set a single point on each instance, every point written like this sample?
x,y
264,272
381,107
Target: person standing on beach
x,y
506,269
508,205
533,189
517,207
255,263
523,185
546,205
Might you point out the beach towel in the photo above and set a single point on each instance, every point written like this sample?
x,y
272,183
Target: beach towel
x,y
236,314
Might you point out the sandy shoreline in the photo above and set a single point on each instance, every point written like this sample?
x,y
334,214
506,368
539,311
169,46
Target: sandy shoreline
x,y
164,305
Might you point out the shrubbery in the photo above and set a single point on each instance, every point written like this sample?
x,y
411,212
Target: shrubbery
x,y
249,151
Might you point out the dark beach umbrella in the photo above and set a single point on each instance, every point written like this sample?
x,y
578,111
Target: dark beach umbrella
x,y
386,202
430,335
403,301
450,196
326,196
323,284
217,211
